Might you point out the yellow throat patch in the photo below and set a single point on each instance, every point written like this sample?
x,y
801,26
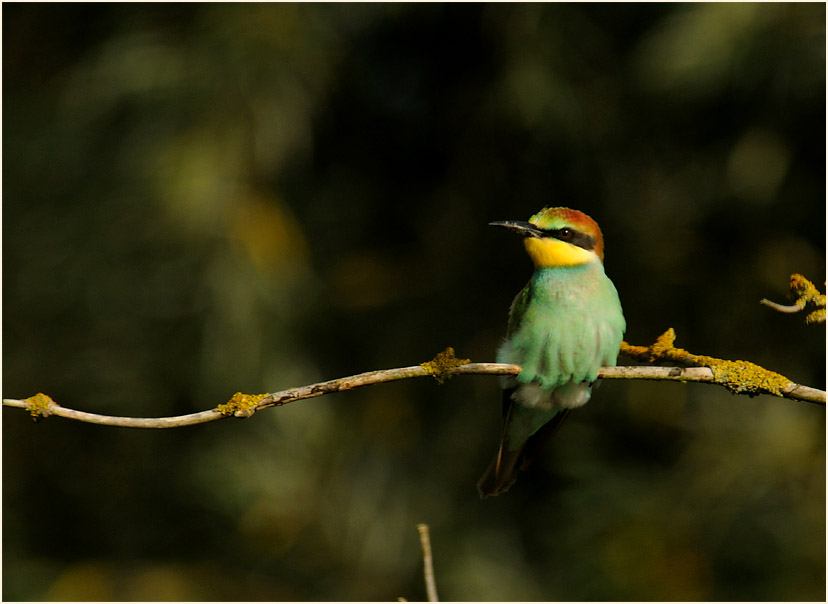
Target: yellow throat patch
x,y
548,252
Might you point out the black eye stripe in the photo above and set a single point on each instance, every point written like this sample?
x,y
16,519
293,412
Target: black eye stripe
x,y
573,236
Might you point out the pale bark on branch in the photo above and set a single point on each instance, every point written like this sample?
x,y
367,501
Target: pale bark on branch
x,y
739,377
44,407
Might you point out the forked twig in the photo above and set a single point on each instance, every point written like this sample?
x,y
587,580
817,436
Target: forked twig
x,y
805,294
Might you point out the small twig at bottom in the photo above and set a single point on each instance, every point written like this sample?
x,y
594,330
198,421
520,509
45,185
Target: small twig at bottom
x,y
428,564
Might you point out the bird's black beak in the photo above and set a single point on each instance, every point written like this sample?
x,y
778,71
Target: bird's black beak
x,y
525,229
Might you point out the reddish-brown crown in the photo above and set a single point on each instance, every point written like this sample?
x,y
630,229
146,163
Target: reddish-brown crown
x,y
558,218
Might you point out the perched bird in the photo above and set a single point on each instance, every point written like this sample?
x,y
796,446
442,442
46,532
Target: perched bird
x,y
563,327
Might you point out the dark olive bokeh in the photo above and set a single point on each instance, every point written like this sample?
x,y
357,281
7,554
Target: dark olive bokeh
x,y
200,199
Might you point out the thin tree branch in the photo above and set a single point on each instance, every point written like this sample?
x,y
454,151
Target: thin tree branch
x,y
703,375
40,410
740,377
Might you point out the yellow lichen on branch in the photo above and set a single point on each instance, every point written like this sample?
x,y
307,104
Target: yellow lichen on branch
x,y
740,377
40,405
807,294
240,405
441,365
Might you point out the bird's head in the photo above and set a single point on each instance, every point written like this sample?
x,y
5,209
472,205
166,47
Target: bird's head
x,y
559,237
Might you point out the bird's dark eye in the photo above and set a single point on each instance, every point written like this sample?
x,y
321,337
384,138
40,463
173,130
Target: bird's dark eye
x,y
564,234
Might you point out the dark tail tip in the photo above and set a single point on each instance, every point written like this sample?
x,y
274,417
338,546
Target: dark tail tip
x,y
500,475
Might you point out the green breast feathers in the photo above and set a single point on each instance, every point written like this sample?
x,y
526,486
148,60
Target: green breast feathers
x,y
564,326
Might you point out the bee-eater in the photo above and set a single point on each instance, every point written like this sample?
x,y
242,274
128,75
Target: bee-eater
x,y
563,327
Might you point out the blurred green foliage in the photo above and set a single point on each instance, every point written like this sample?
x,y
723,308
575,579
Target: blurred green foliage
x,y
206,198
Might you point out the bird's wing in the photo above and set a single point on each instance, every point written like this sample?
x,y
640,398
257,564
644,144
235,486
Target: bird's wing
x,y
518,308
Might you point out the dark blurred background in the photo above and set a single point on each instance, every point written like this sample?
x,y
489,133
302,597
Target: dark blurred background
x,y
205,198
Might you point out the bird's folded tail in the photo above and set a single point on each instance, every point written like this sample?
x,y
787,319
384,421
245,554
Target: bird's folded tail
x,y
503,471
500,474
